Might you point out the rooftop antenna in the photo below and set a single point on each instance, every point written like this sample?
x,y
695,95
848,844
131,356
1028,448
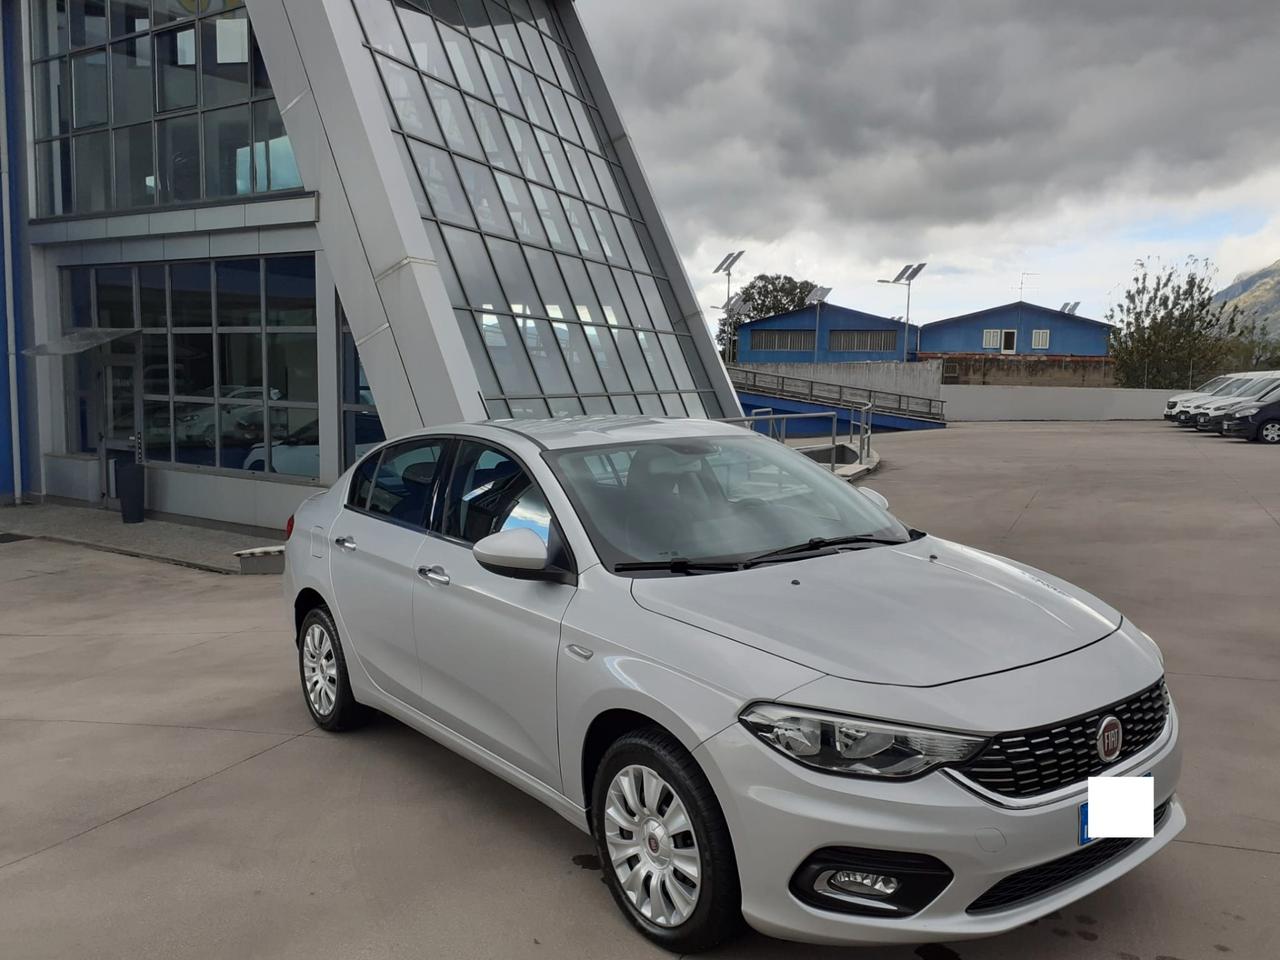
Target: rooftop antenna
x,y
1022,283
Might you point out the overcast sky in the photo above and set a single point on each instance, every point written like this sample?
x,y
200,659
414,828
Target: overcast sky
x,y
839,139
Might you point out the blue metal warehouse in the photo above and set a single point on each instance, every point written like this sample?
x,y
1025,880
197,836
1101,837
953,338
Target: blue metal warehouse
x,y
1017,329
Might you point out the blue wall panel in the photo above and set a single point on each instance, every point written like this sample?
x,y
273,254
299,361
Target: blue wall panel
x,y
10,62
1068,335
830,317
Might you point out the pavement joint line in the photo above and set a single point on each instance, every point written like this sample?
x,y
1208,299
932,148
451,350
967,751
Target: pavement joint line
x,y
1220,676
1228,846
121,551
141,723
141,806
1022,512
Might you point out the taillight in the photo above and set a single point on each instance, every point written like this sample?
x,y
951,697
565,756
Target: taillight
x,y
288,528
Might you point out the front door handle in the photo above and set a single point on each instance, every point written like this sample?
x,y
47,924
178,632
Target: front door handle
x,y
434,574
346,543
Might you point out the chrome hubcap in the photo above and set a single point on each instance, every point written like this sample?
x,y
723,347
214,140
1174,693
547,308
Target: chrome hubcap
x,y
652,846
1271,433
319,669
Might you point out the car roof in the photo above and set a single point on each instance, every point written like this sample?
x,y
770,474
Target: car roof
x,y
569,432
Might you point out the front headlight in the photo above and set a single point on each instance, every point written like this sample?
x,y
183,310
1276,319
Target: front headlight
x,y
849,745
1246,412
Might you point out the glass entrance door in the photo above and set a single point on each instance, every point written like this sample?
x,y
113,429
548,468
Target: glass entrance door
x,y
121,408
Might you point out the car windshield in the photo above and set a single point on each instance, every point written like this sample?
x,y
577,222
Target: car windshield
x,y
1258,387
1210,385
711,499
1232,387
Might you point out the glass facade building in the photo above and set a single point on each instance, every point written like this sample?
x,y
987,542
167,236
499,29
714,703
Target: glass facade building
x,y
247,271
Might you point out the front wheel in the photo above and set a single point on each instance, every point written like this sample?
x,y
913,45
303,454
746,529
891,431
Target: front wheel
x,y
1269,432
666,852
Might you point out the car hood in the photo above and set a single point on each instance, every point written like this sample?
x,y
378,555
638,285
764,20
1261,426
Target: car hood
x,y
920,614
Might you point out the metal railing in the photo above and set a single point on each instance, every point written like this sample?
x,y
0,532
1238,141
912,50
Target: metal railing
x,y
776,427
835,394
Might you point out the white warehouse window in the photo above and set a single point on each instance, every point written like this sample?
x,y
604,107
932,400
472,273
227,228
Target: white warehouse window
x,y
990,339
1039,339
862,341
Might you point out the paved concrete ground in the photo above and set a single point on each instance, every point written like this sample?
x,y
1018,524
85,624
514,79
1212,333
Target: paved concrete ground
x,y
163,794
210,548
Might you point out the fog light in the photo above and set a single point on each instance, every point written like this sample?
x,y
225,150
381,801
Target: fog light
x,y
864,884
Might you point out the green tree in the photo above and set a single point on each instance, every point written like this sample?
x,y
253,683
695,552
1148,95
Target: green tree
x,y
766,295
1168,331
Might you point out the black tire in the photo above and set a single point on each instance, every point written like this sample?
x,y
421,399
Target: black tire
x,y
1275,432
718,914
345,713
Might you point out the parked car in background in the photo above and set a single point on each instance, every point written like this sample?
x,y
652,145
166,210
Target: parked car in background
x,y
1207,414
1179,411
762,694
1203,390
1255,421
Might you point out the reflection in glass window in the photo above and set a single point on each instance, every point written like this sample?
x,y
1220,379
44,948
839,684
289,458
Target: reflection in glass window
x,y
506,351
195,433
176,76
486,202
241,433
404,481
409,100
475,271
524,215
435,167
227,170
131,80
291,291
224,51
179,151
51,90
428,52
239,292
291,366
491,492
193,364
115,297
153,300
190,295
135,175
273,162
295,442
92,152
553,218
382,28
89,83
454,121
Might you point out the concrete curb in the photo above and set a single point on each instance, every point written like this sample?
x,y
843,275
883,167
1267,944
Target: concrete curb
x,y
159,558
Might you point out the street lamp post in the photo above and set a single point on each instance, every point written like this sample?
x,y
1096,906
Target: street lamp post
x,y
817,297
905,278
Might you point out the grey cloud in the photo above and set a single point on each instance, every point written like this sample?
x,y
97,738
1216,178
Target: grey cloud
x,y
758,117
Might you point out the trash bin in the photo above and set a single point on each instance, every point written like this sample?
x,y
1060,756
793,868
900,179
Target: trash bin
x,y
131,488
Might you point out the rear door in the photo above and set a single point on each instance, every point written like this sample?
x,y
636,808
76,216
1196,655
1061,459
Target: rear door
x,y
489,643
374,543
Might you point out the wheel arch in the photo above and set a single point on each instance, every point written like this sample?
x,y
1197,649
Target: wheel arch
x,y
308,599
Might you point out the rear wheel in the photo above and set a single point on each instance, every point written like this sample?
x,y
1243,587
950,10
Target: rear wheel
x,y
663,843
322,666
1269,432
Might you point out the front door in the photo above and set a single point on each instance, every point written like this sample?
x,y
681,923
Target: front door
x,y
120,417
489,643
1009,341
372,547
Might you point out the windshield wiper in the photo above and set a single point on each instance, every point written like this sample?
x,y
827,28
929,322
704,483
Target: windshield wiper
x,y
815,544
678,565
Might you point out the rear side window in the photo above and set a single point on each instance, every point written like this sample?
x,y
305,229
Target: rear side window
x,y
362,483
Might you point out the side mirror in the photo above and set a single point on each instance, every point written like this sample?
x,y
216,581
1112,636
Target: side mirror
x,y
877,498
518,553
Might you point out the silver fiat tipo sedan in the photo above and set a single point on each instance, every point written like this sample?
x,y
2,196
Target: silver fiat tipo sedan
x,y
764,696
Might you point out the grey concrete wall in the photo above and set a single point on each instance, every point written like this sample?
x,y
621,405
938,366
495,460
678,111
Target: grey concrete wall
x,y
914,379
973,402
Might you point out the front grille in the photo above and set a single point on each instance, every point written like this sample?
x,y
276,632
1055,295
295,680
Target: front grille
x,y
1031,762
1018,888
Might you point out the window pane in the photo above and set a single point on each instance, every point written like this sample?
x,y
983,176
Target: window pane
x,y
653,300
615,314
505,350
428,52
193,364
224,52
295,442
226,152
291,292
514,276
557,163
610,364
405,480
50,91
166,11
190,296
554,298
528,409
176,68
409,100
486,203
381,27
195,432
465,65
627,233
583,174
537,55
474,18
88,22
415,182
553,219
501,85
131,80
530,157
115,297
493,138
474,269
135,177
93,172
240,365
693,403
156,430
241,429
508,38
604,177
524,215
633,360
445,263
560,115
453,118
676,361
535,108
273,162
651,405
291,366
609,242
179,151
151,296
239,292
79,297
489,493
89,83
577,353
53,178
544,351
48,27
631,298
479,356
441,182
361,432
657,363
580,224
586,307
261,79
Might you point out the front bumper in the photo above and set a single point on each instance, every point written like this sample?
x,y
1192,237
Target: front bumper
x,y
780,812
1209,422
1239,428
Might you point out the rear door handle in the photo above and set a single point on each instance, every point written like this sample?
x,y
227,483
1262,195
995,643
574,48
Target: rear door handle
x,y
434,574
346,543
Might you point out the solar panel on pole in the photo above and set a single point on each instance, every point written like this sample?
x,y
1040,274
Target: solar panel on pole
x,y
915,272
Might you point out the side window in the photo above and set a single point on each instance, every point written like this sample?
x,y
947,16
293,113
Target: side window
x,y
490,492
404,481
362,482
